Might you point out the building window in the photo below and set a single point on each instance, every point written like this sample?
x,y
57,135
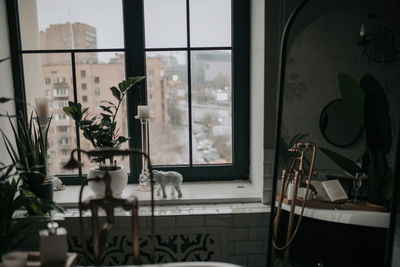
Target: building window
x,y
197,71
60,92
64,153
61,117
63,129
60,104
47,81
60,79
64,141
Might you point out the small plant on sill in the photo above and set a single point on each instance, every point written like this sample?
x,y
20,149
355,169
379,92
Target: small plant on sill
x,y
102,132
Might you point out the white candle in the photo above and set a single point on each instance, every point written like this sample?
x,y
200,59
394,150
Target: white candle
x,y
143,111
362,31
42,107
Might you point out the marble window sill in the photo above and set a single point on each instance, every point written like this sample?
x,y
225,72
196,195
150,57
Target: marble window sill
x,y
199,198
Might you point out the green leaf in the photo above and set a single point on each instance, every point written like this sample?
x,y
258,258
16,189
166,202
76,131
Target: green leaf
x,y
341,161
106,109
122,86
116,93
122,139
377,119
4,99
108,102
353,96
134,80
86,122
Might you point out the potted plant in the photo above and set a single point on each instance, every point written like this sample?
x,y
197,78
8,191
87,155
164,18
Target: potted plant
x,y
14,190
14,197
367,105
102,133
30,155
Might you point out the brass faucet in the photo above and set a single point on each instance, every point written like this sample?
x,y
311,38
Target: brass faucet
x,y
109,203
299,180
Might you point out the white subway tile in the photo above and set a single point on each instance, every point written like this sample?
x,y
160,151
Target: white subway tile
x,y
219,220
195,220
249,247
258,233
238,234
247,220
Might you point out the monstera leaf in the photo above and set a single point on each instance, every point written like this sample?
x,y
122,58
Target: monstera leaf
x,y
345,163
353,96
377,119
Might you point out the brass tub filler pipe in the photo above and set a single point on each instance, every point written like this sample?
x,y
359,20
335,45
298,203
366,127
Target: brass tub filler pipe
x,y
299,175
108,203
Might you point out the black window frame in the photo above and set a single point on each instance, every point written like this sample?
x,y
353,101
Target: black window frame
x,y
135,64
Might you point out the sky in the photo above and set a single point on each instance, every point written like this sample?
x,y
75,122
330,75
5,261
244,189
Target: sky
x,y
165,20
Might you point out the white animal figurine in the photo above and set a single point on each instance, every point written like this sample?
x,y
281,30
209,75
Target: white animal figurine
x,y
171,178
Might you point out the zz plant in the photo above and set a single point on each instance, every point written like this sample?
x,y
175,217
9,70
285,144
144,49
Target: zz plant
x,y
102,131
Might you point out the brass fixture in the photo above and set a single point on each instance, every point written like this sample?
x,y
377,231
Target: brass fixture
x,y
108,203
299,180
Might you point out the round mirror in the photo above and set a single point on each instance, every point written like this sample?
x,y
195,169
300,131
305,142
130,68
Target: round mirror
x,y
336,125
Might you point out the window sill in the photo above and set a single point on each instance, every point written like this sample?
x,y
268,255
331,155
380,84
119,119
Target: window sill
x,y
193,193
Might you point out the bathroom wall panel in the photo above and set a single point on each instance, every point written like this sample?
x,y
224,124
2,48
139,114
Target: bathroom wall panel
x,y
235,238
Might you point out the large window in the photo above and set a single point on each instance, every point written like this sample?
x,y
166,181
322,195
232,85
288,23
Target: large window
x,y
195,54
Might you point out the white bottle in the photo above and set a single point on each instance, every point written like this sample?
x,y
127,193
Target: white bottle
x,y
53,244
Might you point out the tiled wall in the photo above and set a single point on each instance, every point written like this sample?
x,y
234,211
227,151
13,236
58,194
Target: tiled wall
x,y
235,233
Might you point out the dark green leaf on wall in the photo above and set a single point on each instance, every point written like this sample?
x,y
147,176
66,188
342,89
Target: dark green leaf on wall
x,y
376,112
353,96
341,161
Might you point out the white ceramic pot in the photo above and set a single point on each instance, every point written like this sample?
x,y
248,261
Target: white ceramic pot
x,y
119,180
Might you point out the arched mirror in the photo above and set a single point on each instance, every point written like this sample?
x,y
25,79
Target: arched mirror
x,y
336,125
308,228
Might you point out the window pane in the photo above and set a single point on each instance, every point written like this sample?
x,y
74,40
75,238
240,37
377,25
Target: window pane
x,y
212,107
210,23
66,24
55,82
98,78
165,23
167,96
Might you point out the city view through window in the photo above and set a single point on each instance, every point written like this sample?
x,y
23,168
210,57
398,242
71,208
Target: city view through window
x,y
169,93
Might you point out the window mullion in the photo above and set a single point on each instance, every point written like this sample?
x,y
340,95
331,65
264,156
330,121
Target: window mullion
x,y
16,57
135,65
75,90
189,73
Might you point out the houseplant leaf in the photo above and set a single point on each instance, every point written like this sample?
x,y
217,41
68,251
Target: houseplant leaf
x,y
341,161
116,93
5,99
376,111
353,96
